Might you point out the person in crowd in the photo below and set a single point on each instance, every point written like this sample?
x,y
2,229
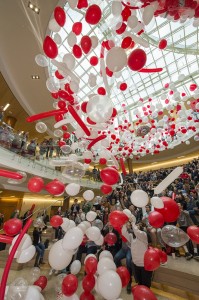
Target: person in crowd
x,y
24,140
94,174
139,245
150,229
1,113
184,221
75,207
125,252
40,247
86,206
15,214
1,219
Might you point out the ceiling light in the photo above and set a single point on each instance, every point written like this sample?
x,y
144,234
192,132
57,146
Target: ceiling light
x,y
35,76
12,196
33,7
153,163
181,156
6,106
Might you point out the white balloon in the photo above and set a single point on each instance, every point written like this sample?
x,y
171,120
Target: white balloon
x,y
72,3
54,26
93,233
52,85
82,227
94,41
87,155
116,8
74,86
106,253
25,243
116,59
99,108
132,21
26,255
58,133
91,215
73,297
147,15
72,39
87,224
109,285
72,189
32,294
88,195
139,198
71,225
127,212
58,257
57,39
69,60
100,242
41,60
74,146
157,202
41,127
105,264
72,238
65,224
75,267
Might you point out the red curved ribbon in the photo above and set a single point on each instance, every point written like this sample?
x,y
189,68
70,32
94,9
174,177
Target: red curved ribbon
x,y
10,259
134,7
123,166
10,174
46,114
77,118
6,239
99,138
151,70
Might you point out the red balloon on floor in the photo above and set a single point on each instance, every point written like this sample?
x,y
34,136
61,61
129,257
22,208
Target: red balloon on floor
x,y
69,285
88,283
91,265
86,296
41,282
12,226
142,292
124,275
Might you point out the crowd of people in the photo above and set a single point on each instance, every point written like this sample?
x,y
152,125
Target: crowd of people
x,y
138,233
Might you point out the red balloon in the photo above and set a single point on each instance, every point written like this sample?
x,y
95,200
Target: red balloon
x,y
12,226
156,219
60,16
56,221
90,121
121,29
163,257
123,86
193,233
106,189
83,106
77,118
55,187
126,42
88,283
50,47
82,4
55,95
77,51
67,88
66,135
5,239
62,104
142,292
110,239
124,275
126,13
35,184
66,96
137,59
93,14
109,176
86,296
86,44
91,265
58,75
69,285
94,61
77,28
101,91
109,72
151,260
10,174
103,161
59,118
41,282
87,160
162,44
114,114
61,143
64,127
117,218
170,211
46,114
193,87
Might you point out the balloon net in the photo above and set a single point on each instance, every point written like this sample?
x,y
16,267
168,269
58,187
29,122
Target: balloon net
x,y
59,296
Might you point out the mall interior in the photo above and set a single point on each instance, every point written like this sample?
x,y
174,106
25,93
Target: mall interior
x,y
99,150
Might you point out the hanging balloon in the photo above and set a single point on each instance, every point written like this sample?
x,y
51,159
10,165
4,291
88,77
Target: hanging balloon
x,y
41,60
35,184
72,189
60,16
137,59
55,187
77,51
116,59
93,14
77,28
99,108
88,195
162,44
50,48
12,226
86,44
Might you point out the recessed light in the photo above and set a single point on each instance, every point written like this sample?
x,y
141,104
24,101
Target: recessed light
x,y
33,7
181,156
153,163
35,76
36,10
6,106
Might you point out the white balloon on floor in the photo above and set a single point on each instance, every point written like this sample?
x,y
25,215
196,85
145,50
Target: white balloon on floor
x,y
58,257
75,267
105,264
109,285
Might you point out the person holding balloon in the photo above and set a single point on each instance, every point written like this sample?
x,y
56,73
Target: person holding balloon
x,y
139,245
